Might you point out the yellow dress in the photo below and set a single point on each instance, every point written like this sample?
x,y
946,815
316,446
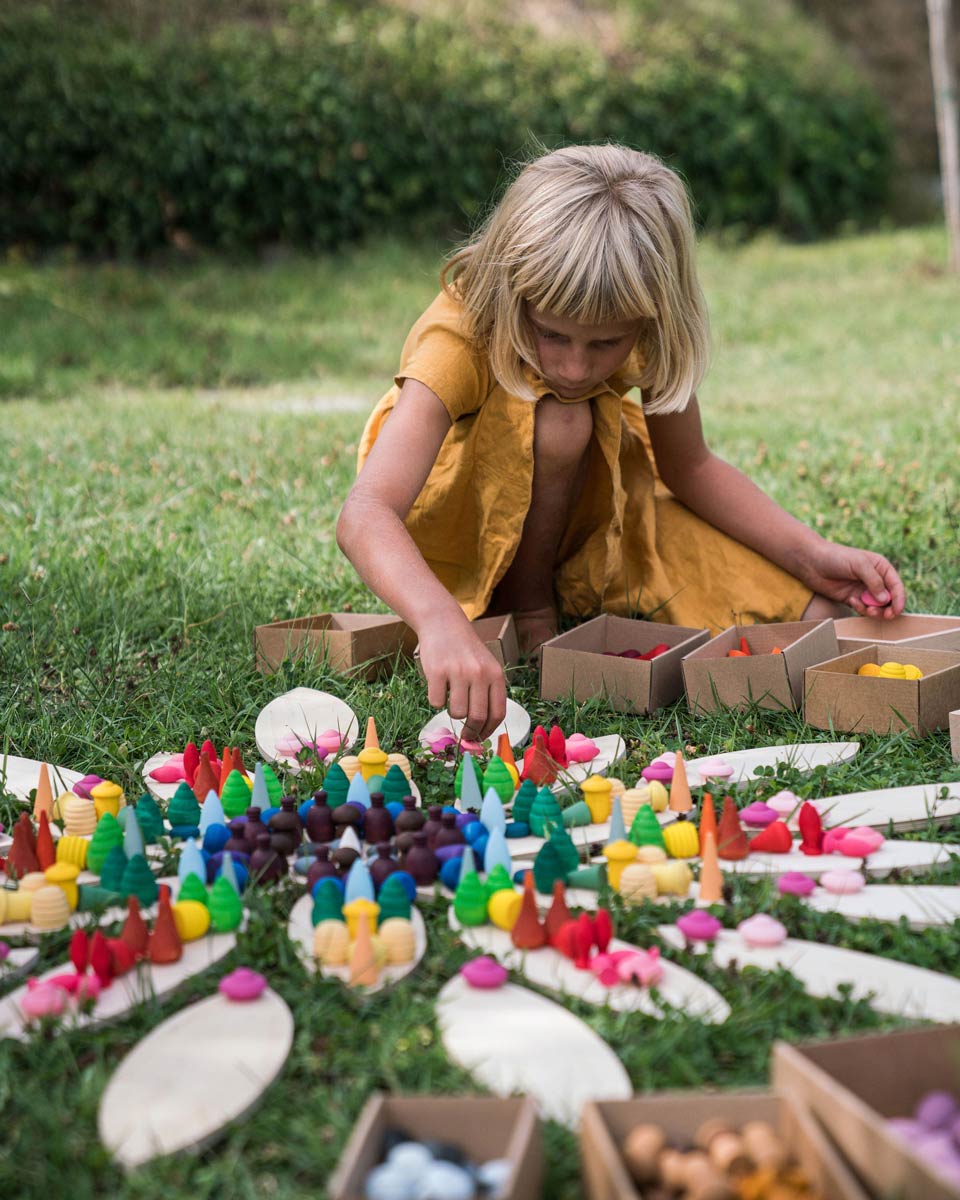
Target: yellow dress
x,y
630,547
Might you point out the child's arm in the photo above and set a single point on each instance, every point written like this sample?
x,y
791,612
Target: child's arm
x,y
727,499
371,533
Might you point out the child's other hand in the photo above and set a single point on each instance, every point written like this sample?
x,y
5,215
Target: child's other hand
x,y
454,660
845,573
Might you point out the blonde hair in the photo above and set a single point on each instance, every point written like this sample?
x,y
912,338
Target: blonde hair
x,y
594,234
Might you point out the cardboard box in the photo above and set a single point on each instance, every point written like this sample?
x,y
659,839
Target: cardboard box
x,y
361,643
484,1127
499,635
774,681
955,735
605,1123
930,631
837,698
575,663
853,1085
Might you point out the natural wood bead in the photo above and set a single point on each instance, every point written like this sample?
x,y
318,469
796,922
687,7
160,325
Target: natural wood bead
x,y
641,1151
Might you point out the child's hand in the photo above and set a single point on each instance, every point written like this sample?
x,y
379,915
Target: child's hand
x,y
455,660
844,573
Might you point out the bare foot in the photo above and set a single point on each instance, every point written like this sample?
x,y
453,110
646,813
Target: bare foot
x,y
534,627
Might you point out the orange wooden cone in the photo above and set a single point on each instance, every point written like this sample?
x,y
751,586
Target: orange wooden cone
x,y
206,779
44,798
732,843
708,819
363,962
371,741
46,851
711,878
505,750
527,932
227,764
165,945
680,798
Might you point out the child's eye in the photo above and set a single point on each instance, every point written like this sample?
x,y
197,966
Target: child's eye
x,y
551,336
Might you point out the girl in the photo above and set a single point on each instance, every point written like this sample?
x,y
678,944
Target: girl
x,y
509,470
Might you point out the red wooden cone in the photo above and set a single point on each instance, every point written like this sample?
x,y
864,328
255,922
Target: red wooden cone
x,y
134,932
206,779
238,761
568,939
557,746
165,945
46,851
602,930
122,958
558,914
191,760
22,858
80,950
527,932
584,941
775,839
226,766
101,962
538,764
732,841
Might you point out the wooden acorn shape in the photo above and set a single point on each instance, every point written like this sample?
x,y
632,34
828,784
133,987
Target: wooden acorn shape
x,y
320,819
346,816
412,818
434,824
266,864
449,834
732,843
254,828
384,865
321,868
558,914
377,824
527,933
811,830
165,945
134,931
421,861
286,828
237,842
775,839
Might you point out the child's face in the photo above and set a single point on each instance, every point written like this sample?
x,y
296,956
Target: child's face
x,y
573,357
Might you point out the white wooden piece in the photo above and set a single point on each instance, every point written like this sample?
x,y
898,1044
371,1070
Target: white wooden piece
x,y
548,968
890,986
922,905
300,932
896,855
906,808
516,725
145,982
18,962
19,776
306,712
159,791
805,756
513,1040
204,1067
612,748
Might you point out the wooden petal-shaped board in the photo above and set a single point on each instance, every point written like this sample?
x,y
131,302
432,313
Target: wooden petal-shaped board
x,y
306,712
805,756
612,748
548,968
19,776
145,982
516,725
922,905
513,1040
300,931
890,986
911,807
192,1075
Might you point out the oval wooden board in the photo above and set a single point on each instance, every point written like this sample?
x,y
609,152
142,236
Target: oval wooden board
x,y
582,836
204,1067
922,906
306,712
892,987
300,932
906,808
512,1040
548,968
805,756
516,725
145,982
19,776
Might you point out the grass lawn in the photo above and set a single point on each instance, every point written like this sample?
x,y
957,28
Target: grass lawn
x,y
171,478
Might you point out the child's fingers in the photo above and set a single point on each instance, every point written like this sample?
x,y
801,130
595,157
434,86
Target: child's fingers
x,y
437,690
496,707
459,699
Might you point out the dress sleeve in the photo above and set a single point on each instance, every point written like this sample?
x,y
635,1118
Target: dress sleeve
x,y
439,355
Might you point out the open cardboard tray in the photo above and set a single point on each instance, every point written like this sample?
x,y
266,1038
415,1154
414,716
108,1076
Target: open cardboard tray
x,y
361,643
712,680
575,663
837,698
484,1127
926,630
851,1086
605,1123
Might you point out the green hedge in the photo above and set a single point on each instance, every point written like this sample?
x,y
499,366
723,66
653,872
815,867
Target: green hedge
x,y
339,121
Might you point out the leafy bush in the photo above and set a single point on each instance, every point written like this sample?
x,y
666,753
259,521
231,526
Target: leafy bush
x,y
339,120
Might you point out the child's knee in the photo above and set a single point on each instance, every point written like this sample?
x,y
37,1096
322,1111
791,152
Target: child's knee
x,y
562,432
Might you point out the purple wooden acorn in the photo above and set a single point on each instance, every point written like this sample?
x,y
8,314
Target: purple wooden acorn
x,y
286,830
266,864
421,861
449,834
237,842
412,818
433,825
320,819
383,866
377,823
321,868
254,828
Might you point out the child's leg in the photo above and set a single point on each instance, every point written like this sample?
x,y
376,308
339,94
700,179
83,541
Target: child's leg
x,y
822,607
561,437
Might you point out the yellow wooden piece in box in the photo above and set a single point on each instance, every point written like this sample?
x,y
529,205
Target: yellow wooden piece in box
x,y
331,943
73,850
353,911
15,905
673,878
503,908
191,918
618,855
372,762
681,839
596,791
64,875
107,797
